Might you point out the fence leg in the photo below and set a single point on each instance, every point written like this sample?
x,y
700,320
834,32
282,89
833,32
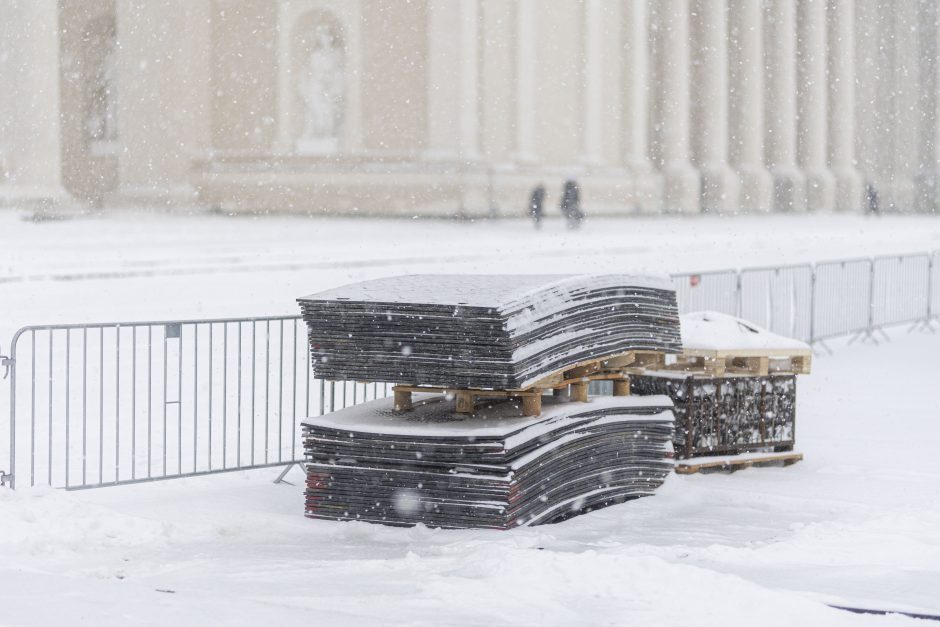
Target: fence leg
x,y
824,346
287,469
9,370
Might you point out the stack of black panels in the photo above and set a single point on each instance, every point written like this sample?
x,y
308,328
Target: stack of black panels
x,y
484,331
492,470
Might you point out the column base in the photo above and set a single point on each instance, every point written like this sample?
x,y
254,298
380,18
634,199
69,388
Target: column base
x,y
647,187
849,191
757,189
820,190
895,194
789,190
720,188
182,196
681,188
51,201
926,193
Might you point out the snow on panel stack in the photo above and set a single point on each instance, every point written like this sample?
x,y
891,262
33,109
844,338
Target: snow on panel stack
x,y
491,470
484,331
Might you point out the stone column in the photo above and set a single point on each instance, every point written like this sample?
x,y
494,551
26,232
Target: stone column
x,y
710,111
780,105
30,132
841,80
907,118
453,91
746,107
525,80
681,184
593,133
812,97
867,78
647,184
925,179
163,108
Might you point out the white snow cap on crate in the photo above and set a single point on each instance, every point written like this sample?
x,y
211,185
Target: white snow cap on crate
x,y
711,330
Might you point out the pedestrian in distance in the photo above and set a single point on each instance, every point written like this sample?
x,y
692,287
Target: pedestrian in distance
x,y
872,195
536,203
571,204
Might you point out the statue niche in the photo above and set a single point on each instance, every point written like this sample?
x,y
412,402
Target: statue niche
x,y
320,82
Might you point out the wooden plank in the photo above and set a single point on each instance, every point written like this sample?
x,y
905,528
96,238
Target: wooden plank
x,y
731,463
582,371
747,352
622,387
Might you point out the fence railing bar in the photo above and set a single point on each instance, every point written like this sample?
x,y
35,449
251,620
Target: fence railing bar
x,y
84,406
267,384
224,394
280,392
49,374
101,405
149,401
156,323
211,370
32,412
184,475
134,403
195,398
68,400
685,275
166,388
293,413
238,438
179,403
117,403
254,368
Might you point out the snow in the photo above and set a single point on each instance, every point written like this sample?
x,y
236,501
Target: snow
x,y
856,523
433,418
711,330
501,291
134,267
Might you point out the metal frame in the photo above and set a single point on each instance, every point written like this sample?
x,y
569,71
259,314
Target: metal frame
x,y
130,402
202,376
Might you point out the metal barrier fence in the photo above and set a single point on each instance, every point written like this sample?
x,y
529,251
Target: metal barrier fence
x,y
898,289
711,291
933,286
108,404
842,298
779,299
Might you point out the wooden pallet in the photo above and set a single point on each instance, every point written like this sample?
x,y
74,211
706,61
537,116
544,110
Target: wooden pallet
x,y
737,462
757,363
574,379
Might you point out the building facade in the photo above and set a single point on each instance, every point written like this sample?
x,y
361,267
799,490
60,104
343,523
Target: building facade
x,y
446,107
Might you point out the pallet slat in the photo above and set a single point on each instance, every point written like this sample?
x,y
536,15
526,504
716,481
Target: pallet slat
x,y
734,463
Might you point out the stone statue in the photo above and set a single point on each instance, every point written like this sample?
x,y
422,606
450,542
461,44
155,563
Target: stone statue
x,y
101,116
321,90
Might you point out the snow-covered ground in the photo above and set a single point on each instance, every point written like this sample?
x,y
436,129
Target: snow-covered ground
x,y
146,267
857,523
